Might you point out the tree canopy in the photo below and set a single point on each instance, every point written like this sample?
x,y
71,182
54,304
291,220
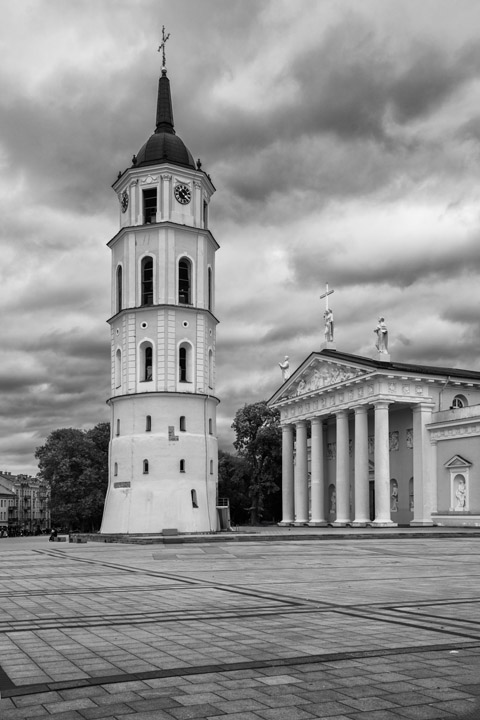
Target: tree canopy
x,y
75,464
259,443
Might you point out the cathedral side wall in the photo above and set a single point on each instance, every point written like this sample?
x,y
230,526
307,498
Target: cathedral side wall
x,y
469,449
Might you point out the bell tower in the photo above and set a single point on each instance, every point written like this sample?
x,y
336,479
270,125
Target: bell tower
x,y
163,449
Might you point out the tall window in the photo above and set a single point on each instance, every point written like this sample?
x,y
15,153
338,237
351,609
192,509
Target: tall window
x,y
182,466
118,427
148,423
210,426
145,467
119,288
210,369
205,214
183,423
194,498
182,363
184,281
146,362
211,467
115,469
150,206
210,289
147,281
118,368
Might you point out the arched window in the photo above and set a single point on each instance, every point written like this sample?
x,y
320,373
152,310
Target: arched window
x,y
182,466
148,423
205,214
210,369
118,427
183,423
119,288
145,467
118,368
147,281
210,289
194,498
185,369
459,401
146,362
115,469
184,281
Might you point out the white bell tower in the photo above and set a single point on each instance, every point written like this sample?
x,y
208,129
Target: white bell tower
x,y
163,450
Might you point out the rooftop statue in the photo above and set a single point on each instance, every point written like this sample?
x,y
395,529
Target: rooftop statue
x,y
382,336
285,368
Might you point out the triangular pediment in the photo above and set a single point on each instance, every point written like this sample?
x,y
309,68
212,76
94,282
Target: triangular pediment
x,y
457,462
316,374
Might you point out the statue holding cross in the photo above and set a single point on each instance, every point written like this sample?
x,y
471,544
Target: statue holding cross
x,y
328,316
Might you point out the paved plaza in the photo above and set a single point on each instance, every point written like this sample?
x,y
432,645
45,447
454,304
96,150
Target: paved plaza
x,y
358,628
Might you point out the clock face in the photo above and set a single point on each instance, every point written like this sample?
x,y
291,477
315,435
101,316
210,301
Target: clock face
x,y
182,194
124,201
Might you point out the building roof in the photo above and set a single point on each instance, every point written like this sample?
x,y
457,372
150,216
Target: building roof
x,y
400,367
164,145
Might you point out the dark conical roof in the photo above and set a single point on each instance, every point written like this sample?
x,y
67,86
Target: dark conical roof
x,y
164,145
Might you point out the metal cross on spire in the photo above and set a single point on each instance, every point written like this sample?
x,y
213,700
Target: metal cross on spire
x,y
326,294
161,47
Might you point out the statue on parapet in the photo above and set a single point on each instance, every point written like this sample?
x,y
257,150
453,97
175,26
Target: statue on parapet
x,y
382,336
285,368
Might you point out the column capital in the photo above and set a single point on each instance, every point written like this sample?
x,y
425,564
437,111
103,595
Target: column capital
x,y
287,427
317,420
381,404
425,405
360,409
341,413
301,423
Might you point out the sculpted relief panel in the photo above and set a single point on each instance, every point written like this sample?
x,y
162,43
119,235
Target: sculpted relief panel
x,y
325,375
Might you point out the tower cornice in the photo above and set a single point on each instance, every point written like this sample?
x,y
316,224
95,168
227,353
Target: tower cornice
x,y
145,308
163,224
135,173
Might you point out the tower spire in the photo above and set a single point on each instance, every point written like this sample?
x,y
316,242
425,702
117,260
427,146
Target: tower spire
x,y
164,121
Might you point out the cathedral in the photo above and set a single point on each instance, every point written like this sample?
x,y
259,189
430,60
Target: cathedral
x,y
163,456
370,441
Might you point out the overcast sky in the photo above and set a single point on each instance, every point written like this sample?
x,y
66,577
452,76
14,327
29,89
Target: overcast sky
x,y
343,138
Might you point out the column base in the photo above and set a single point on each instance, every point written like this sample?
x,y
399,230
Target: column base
x,y
317,523
285,523
421,523
361,523
341,523
300,523
383,523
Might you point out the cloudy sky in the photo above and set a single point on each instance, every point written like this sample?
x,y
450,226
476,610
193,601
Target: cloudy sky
x,y
343,138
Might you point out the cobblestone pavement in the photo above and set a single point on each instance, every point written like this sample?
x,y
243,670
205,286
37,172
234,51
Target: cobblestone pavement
x,y
358,629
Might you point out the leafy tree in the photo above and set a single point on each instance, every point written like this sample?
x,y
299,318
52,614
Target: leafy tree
x,y
75,464
233,478
259,443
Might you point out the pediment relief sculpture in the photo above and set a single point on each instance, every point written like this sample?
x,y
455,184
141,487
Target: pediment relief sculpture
x,y
324,375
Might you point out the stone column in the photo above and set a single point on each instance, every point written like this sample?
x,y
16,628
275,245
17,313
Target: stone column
x,y
287,475
382,467
424,485
301,475
342,480
317,478
362,497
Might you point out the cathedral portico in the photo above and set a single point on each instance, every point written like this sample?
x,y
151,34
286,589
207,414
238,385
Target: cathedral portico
x,y
358,448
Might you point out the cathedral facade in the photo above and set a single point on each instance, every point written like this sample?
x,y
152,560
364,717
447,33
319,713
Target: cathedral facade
x,y
374,442
163,450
